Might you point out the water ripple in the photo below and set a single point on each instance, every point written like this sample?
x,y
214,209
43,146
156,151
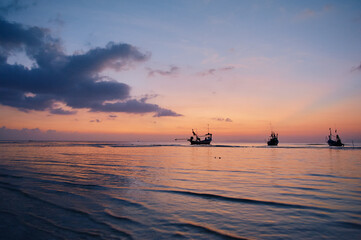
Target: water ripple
x,y
122,219
71,210
239,200
207,230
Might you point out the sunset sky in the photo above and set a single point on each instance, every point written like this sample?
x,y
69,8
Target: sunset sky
x,y
153,70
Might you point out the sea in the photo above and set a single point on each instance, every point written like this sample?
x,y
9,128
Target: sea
x,y
145,190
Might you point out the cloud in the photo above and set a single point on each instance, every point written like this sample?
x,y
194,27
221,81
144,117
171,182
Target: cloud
x,y
223,119
25,133
305,14
212,58
309,13
61,111
212,71
208,72
226,68
166,112
134,106
358,68
36,134
96,120
327,8
130,106
73,80
113,116
12,6
172,71
57,20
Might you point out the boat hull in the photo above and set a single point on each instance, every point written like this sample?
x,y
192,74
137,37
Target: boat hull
x,y
203,142
332,143
272,142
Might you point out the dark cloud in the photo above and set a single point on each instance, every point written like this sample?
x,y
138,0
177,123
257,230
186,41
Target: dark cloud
x,y
172,71
223,119
131,106
358,68
113,116
73,80
161,112
212,71
134,106
34,40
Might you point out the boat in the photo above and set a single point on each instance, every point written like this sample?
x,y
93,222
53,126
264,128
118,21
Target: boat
x,y
334,142
273,139
196,140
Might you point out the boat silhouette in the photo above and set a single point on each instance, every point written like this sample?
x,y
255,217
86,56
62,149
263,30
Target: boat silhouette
x,y
334,142
196,140
273,139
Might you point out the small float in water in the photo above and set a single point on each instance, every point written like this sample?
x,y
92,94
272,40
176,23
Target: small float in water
x,y
334,142
273,139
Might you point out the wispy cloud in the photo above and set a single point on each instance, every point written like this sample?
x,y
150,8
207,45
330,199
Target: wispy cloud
x,y
223,119
95,120
172,71
212,58
13,6
57,20
212,71
305,14
310,13
356,68
327,8
73,80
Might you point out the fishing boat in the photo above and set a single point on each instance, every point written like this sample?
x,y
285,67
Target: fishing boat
x,y
334,142
196,140
273,139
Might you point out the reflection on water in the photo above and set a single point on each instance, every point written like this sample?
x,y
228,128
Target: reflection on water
x,y
80,190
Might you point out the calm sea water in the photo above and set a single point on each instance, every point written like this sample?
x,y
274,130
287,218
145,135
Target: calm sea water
x,y
88,190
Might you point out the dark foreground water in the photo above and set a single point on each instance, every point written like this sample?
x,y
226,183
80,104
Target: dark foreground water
x,y
80,190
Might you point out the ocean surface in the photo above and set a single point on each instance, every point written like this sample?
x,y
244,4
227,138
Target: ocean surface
x,y
119,190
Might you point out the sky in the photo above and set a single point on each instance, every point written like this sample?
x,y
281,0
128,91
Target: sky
x,y
155,70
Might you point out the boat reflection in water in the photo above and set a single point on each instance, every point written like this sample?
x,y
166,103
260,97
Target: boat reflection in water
x,y
196,140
